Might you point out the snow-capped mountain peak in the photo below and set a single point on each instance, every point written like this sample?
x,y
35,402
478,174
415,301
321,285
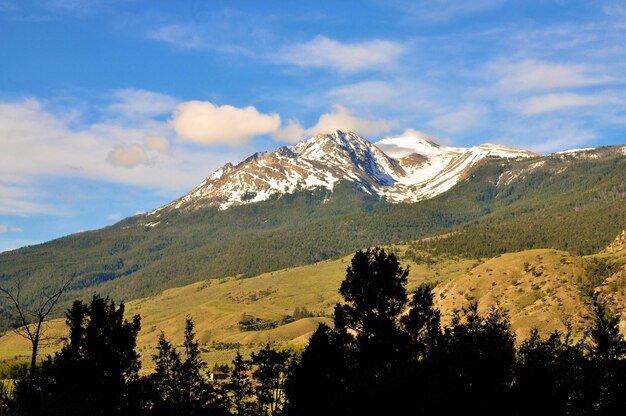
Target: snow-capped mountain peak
x,y
414,143
402,169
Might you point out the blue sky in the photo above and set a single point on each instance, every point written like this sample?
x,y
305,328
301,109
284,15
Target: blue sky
x,y
113,107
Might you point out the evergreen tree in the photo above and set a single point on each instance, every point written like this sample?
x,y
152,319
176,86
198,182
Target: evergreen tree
x,y
272,369
96,371
165,391
239,387
360,360
552,372
323,372
478,362
179,386
608,353
192,371
423,324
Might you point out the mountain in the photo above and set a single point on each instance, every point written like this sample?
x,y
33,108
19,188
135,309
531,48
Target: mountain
x,y
572,201
417,169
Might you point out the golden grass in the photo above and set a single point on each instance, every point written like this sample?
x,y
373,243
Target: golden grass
x,y
538,288
217,305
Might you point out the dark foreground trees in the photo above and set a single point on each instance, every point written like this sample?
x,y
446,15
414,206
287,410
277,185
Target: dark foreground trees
x,y
179,386
387,353
96,373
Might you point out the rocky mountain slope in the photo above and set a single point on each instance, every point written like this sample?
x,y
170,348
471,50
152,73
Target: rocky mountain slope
x,y
414,169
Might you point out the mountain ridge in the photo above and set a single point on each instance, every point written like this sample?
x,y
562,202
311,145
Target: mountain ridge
x,y
422,170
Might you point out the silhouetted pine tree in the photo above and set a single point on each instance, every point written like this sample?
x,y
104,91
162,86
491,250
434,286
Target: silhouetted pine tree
x,y
552,372
179,385
96,371
239,387
478,362
607,351
272,369
320,383
164,385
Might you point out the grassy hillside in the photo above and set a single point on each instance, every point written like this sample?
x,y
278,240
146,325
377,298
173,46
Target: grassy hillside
x,y
573,204
544,288
219,305
538,288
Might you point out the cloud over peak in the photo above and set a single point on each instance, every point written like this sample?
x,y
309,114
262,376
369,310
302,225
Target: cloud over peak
x,y
341,118
203,122
206,123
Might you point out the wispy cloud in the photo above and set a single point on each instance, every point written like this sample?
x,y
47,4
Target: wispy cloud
x,y
532,75
554,102
181,36
460,119
132,102
443,10
614,9
325,53
366,93
8,229
20,200
554,136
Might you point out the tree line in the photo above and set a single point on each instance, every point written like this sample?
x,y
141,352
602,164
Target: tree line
x,y
387,353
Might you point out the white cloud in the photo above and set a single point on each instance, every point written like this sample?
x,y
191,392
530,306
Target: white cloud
x,y
178,35
561,138
17,199
322,52
614,9
135,154
460,120
36,141
366,92
114,217
157,143
529,75
441,10
409,132
553,102
292,132
206,123
132,101
8,229
127,156
342,119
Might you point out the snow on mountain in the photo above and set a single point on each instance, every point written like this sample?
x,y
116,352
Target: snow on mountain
x,y
402,169
574,151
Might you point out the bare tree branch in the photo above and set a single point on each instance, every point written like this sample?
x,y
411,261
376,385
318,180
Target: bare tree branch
x,y
35,328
